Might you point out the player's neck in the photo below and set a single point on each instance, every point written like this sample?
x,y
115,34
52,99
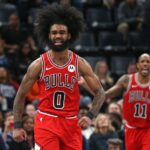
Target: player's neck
x,y
62,54
59,58
143,79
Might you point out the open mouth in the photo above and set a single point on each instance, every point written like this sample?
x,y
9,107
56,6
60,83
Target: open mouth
x,y
145,70
58,43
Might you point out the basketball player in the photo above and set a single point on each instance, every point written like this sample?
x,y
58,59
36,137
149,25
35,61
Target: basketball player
x,y
57,70
136,104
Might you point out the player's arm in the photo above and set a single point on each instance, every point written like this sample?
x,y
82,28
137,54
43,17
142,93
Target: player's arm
x,y
121,85
28,80
82,83
94,85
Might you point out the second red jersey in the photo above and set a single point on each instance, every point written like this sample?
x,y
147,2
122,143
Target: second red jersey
x,y
136,103
59,91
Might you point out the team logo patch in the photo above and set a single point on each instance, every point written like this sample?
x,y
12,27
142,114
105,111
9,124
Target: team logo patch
x,y
71,68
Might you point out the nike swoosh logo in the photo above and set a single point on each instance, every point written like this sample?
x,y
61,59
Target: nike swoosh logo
x,y
134,86
48,68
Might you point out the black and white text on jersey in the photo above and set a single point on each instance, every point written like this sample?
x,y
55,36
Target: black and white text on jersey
x,y
60,80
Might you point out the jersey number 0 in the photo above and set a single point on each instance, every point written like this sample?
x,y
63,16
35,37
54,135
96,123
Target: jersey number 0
x,y
59,99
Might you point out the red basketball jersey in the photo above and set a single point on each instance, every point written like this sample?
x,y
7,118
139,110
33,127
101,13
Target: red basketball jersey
x,y
136,104
59,91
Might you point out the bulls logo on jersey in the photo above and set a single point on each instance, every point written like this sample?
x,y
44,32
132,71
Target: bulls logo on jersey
x,y
71,68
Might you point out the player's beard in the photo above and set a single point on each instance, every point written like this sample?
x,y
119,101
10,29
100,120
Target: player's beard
x,y
59,48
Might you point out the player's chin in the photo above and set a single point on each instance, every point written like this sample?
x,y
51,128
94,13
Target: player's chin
x,y
145,73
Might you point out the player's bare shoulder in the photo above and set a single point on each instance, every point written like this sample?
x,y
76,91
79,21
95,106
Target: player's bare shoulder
x,y
124,80
35,68
84,66
82,61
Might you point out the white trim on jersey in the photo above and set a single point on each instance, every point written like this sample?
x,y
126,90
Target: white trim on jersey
x,y
51,115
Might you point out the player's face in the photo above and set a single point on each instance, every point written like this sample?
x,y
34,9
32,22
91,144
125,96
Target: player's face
x,y
143,65
59,37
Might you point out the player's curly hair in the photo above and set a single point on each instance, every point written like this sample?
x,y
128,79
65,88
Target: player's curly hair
x,y
59,14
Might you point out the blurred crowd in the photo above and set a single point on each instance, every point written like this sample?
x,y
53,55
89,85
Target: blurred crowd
x,y
19,47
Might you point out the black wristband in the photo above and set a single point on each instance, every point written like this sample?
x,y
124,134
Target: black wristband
x,y
90,115
18,125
